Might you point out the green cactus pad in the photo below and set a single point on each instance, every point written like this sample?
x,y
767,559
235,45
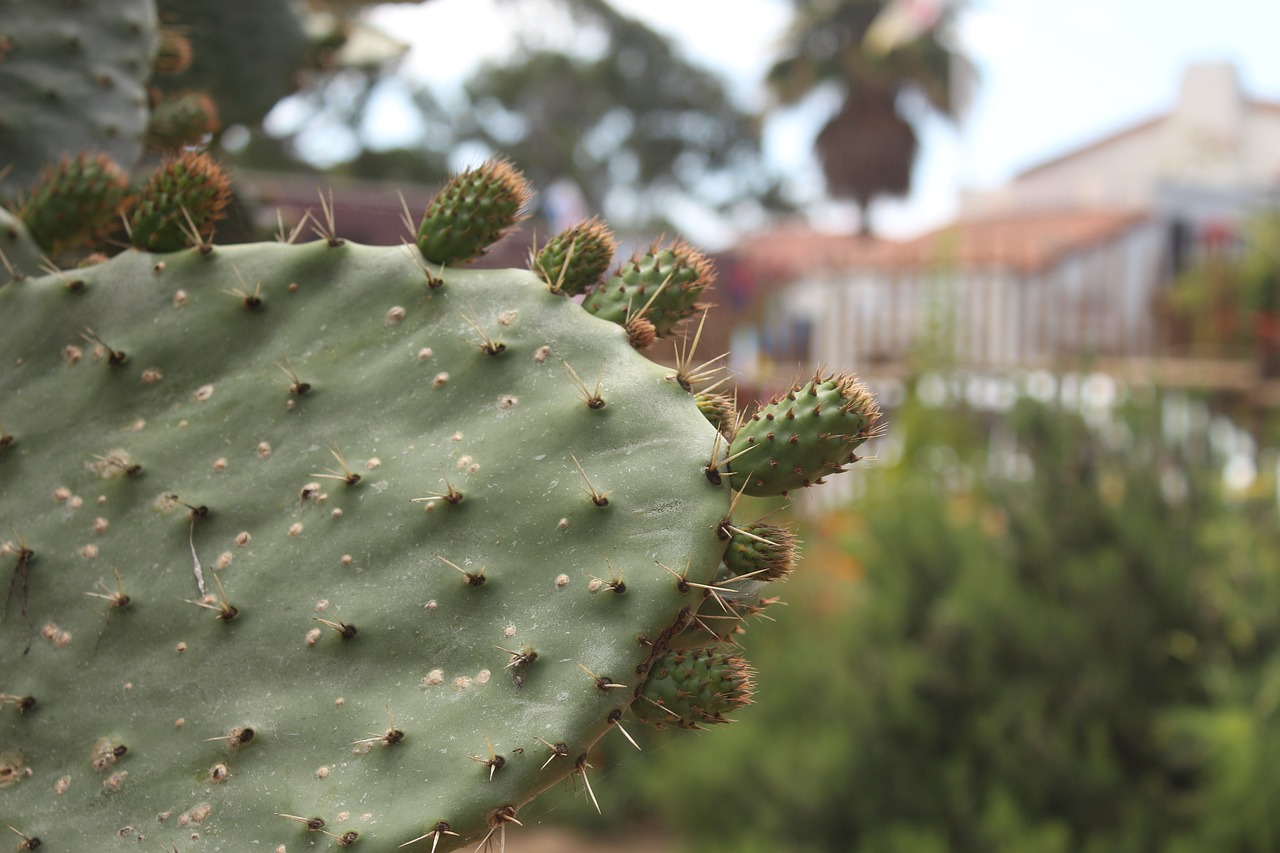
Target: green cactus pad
x,y
245,53
471,212
694,688
662,286
797,439
72,78
576,258
412,534
188,191
19,254
74,201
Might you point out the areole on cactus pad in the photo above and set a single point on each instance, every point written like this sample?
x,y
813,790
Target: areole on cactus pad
x,y
329,545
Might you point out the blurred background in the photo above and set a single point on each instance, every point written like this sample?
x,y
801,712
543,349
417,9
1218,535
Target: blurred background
x,y
1044,614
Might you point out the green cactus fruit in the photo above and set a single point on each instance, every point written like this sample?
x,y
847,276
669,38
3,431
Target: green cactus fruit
x,y
693,688
72,78
173,52
797,439
307,539
471,212
182,119
74,202
760,551
719,410
577,258
19,254
662,287
182,200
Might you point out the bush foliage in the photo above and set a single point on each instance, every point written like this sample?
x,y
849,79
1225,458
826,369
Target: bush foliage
x,y
1084,659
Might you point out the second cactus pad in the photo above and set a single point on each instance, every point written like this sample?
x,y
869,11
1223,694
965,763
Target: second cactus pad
x,y
320,546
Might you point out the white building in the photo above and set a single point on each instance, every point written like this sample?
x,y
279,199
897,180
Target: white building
x,y
1065,262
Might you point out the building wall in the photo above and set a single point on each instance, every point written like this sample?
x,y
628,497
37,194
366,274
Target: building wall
x,y
1091,302
1214,137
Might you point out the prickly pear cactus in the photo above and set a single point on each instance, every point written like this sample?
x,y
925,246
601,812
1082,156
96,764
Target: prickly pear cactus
x,y
327,545
72,75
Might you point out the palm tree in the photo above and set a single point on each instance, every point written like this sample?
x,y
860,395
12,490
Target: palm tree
x,y
867,148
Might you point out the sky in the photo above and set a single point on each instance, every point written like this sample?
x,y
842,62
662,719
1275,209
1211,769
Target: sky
x,y
1051,75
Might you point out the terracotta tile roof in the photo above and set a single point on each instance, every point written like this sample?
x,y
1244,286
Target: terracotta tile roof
x,y
1028,242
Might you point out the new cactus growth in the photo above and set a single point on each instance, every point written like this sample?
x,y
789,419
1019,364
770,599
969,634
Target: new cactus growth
x,y
694,688
180,204
576,259
74,201
796,439
322,545
472,212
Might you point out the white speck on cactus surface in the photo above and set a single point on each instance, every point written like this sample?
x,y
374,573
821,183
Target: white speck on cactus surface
x,y
346,559
424,353
220,464
322,772
100,525
441,380
295,529
373,463
541,354
264,450
242,538
179,299
562,581
395,316
89,552
203,393
506,318
483,676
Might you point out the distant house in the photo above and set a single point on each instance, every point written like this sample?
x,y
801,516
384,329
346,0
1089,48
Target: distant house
x,y
1065,262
